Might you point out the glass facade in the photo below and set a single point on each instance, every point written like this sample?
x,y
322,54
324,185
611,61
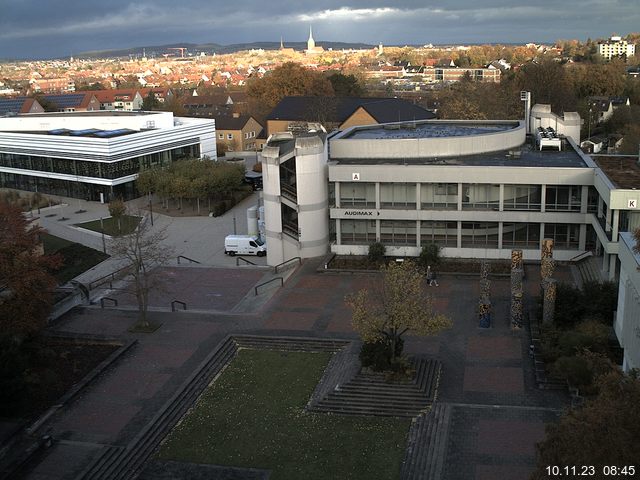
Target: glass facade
x,y
565,236
480,196
357,232
562,198
83,168
439,196
444,234
521,235
479,234
522,197
356,194
398,196
398,232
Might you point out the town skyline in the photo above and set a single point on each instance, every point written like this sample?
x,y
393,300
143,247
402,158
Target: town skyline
x,y
90,26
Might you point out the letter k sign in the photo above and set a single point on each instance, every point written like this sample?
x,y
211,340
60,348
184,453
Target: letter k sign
x,y
632,204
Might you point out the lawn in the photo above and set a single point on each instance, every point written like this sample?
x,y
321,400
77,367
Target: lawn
x,y
128,224
76,258
253,416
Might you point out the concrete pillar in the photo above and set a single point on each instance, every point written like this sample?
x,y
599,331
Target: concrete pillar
x,y
501,198
582,239
608,221
612,267
543,199
600,209
549,300
459,239
378,231
605,262
584,199
500,229
338,231
418,236
614,225
378,197
418,197
459,202
336,192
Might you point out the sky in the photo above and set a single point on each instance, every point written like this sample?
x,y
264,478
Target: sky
x,y
60,28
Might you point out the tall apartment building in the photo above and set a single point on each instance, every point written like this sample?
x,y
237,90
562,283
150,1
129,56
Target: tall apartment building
x,y
616,47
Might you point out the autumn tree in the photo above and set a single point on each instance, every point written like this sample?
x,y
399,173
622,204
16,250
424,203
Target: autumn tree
x,y
26,282
398,304
346,85
604,431
548,83
117,209
288,79
144,250
150,102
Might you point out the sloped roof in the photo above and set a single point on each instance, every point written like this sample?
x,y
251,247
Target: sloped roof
x,y
229,122
110,96
339,109
15,105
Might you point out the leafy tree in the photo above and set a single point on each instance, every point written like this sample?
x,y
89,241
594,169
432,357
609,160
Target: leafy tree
x,y
376,252
288,79
548,83
221,148
150,102
117,209
430,255
605,431
26,283
144,250
346,85
399,304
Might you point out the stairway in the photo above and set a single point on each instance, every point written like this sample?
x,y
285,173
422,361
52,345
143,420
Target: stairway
x,y
370,393
589,269
427,444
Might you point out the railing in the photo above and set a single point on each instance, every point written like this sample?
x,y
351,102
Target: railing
x,y
268,282
182,304
107,278
114,304
275,269
191,260
248,262
581,256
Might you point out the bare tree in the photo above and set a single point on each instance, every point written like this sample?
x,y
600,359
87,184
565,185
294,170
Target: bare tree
x,y
144,250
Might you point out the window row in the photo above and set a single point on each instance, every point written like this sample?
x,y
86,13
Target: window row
x,y
473,196
445,234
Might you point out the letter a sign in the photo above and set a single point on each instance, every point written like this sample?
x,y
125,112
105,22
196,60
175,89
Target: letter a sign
x,y
632,203
355,177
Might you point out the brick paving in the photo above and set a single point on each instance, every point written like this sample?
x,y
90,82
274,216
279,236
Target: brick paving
x,y
497,413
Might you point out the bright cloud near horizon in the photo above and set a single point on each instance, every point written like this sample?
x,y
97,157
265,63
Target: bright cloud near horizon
x,y
37,29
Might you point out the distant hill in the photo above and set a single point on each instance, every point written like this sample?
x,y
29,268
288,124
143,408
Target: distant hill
x,y
209,48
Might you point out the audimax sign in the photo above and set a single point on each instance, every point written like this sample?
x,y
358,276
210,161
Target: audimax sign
x,y
361,213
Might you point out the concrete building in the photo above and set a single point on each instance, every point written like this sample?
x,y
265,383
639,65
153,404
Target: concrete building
x,y
627,320
616,47
238,132
477,188
95,155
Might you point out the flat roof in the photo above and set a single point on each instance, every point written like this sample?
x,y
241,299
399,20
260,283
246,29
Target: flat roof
x,y
91,113
622,170
429,129
524,156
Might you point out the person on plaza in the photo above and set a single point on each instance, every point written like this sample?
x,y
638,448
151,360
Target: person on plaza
x,y
431,278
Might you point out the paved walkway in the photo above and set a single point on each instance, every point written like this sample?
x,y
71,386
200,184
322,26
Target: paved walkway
x,y
497,412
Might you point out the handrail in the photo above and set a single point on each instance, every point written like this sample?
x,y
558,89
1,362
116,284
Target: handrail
x,y
582,255
173,305
275,269
114,300
267,282
249,262
110,276
187,258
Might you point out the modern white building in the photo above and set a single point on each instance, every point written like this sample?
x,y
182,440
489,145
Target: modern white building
x,y
627,321
95,155
476,188
616,47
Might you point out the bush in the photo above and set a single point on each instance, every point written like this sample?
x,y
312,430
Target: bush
x,y
377,355
218,208
376,252
430,255
576,370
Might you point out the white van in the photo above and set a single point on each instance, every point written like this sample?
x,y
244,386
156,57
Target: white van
x,y
244,245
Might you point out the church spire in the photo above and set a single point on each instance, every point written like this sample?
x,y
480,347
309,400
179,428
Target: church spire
x,y
311,44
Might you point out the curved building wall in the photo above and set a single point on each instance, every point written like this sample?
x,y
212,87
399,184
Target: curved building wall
x,y
428,147
313,195
270,158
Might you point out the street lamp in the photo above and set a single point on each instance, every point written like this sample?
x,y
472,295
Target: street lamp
x,y
589,135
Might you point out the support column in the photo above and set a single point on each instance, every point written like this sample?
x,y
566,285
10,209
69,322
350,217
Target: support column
x,y
607,227
336,192
582,239
549,301
500,230
378,197
584,199
418,197
612,267
338,231
543,199
459,200
459,232
614,225
501,198
418,236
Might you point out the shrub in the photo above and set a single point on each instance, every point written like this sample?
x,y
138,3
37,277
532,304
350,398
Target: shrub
x,y
376,252
218,208
576,370
377,355
430,255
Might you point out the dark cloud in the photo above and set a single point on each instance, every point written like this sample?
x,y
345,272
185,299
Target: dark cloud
x,y
30,28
